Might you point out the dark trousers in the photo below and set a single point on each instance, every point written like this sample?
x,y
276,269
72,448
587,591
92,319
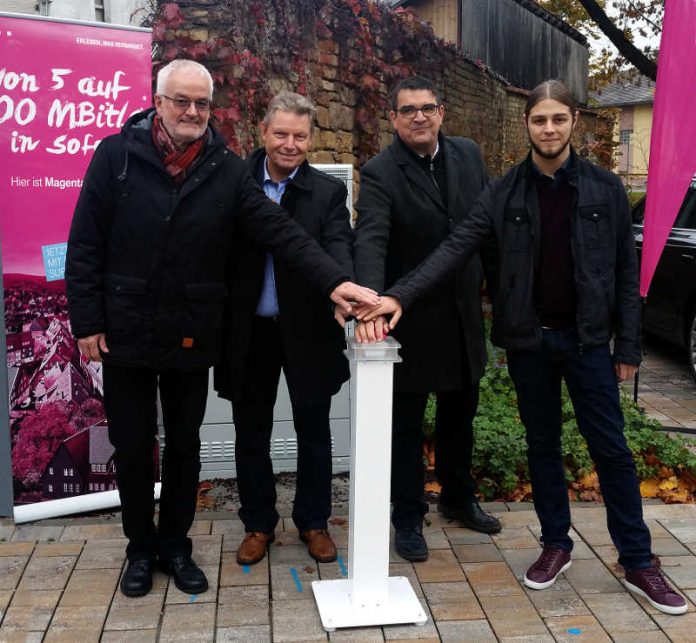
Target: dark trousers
x,y
453,449
130,401
253,424
593,388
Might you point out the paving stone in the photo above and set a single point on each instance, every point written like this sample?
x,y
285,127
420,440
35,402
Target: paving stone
x,y
67,548
77,623
233,528
677,628
681,570
5,596
103,553
175,595
188,622
134,636
512,616
238,606
200,528
296,620
11,569
595,535
474,630
569,629
653,636
18,636
619,613
476,553
683,530
90,587
558,600
521,538
514,519
406,570
135,614
435,538
462,536
410,632
441,566
207,549
337,569
492,579
99,531
36,598
244,634
33,618
358,634
592,577
47,573
6,531
519,506
519,560
38,533
17,548
292,573
232,573
452,601
287,538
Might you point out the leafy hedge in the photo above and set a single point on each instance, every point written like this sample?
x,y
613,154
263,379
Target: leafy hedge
x,y
500,449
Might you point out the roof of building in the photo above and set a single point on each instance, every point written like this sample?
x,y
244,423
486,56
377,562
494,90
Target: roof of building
x,y
539,11
638,90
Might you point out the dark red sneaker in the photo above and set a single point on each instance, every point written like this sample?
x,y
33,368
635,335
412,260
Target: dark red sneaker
x,y
652,585
544,572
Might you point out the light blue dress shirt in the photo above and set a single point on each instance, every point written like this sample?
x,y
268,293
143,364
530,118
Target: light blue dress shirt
x,y
268,301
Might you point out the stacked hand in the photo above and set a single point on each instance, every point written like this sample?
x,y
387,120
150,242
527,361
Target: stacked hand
x,y
373,325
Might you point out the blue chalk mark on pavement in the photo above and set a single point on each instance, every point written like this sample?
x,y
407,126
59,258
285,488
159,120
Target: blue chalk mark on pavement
x,y
246,569
342,566
575,631
54,260
193,598
296,578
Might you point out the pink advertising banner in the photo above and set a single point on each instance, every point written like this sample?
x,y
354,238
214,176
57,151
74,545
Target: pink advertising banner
x,y
673,139
63,87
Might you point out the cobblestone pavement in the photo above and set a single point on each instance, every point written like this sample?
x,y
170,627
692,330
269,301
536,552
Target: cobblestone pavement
x,y
59,582
666,389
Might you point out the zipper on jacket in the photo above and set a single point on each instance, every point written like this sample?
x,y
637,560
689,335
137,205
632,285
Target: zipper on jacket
x,y
431,168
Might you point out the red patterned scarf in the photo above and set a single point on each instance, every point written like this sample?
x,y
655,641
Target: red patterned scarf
x,y
177,161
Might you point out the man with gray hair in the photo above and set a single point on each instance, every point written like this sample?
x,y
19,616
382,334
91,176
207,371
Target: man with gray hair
x,y
275,321
160,207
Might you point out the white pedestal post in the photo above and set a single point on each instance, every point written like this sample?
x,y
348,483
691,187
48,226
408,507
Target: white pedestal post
x,y
369,596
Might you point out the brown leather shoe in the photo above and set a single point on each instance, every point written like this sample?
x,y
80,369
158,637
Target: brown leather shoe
x,y
319,545
254,547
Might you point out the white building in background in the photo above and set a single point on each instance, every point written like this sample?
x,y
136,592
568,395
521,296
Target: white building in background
x,y
118,12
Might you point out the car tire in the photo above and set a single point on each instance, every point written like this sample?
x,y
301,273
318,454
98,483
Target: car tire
x,y
691,342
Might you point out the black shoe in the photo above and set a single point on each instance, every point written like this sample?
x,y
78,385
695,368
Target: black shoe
x,y
188,577
472,516
137,579
410,544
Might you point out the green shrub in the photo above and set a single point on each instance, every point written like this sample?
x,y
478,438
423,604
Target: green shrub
x,y
500,450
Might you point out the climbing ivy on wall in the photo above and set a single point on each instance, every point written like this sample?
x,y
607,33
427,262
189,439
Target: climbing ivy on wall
x,y
246,43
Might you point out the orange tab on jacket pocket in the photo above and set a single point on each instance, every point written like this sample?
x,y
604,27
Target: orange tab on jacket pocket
x,y
187,342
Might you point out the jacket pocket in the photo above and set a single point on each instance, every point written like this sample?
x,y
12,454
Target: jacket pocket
x,y
202,319
594,222
517,235
126,309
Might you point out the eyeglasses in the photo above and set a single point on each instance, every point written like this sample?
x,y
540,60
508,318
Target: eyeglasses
x,y
201,104
409,111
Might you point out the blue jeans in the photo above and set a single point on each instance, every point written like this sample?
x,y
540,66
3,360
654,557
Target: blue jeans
x,y
593,388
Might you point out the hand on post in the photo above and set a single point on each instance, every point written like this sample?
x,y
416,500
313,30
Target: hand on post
x,y
369,332
348,294
388,306
93,346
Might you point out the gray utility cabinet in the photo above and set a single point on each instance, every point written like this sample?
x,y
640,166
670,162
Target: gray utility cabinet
x,y
217,433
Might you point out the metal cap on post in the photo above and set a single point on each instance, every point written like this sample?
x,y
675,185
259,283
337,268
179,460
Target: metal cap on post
x,y
369,596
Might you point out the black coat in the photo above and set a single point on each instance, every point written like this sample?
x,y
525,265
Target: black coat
x,y
313,342
401,220
146,260
604,259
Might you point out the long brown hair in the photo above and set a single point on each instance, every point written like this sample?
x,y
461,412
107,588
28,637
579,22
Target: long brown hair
x,y
553,89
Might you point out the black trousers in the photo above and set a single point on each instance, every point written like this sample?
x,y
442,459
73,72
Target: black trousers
x,y
253,423
454,441
130,401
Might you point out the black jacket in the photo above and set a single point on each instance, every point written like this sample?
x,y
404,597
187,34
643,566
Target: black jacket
x,y
146,258
604,257
313,342
401,220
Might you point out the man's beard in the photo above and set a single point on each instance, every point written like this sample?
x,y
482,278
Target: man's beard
x,y
552,154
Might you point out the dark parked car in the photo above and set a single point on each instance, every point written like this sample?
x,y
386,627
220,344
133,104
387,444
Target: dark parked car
x,y
670,310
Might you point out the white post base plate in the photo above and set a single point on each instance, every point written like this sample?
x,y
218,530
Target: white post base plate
x,y
338,609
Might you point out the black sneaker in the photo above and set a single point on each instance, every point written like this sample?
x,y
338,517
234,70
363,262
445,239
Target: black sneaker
x,y
651,584
410,544
137,579
472,516
188,577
